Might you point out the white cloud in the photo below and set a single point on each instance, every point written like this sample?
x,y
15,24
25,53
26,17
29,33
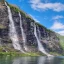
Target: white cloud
x,y
57,17
38,5
61,32
57,26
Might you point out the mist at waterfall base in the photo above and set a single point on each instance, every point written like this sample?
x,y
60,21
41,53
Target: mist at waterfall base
x,y
31,60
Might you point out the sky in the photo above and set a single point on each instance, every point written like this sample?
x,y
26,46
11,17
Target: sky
x,y
49,13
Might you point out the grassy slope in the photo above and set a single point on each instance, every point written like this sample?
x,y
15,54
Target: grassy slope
x,y
18,54
14,52
61,41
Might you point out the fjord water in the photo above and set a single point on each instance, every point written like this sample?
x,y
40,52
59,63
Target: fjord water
x,y
31,60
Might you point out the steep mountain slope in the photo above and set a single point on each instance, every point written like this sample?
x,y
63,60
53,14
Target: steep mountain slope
x,y
61,38
19,32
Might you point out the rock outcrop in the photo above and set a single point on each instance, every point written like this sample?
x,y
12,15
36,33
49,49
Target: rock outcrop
x,y
48,38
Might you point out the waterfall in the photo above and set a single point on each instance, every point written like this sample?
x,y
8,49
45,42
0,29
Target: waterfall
x,y
40,47
12,31
23,34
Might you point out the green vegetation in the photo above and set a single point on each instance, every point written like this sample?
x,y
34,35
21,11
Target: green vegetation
x,y
56,54
13,52
16,9
18,54
26,54
61,41
2,26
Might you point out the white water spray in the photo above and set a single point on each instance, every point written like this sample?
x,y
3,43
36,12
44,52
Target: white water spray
x,y
12,33
40,47
23,34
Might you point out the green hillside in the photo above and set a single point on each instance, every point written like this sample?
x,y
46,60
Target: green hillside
x,y
61,40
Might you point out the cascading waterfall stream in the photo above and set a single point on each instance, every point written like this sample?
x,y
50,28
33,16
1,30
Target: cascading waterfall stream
x,y
12,33
40,47
23,34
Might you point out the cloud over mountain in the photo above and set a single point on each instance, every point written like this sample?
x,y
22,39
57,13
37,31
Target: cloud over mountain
x,y
38,5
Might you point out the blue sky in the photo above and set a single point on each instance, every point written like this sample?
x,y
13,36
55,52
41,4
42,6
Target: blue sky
x,y
49,13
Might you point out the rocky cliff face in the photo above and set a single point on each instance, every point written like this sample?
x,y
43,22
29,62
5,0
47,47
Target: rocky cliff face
x,y
47,38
